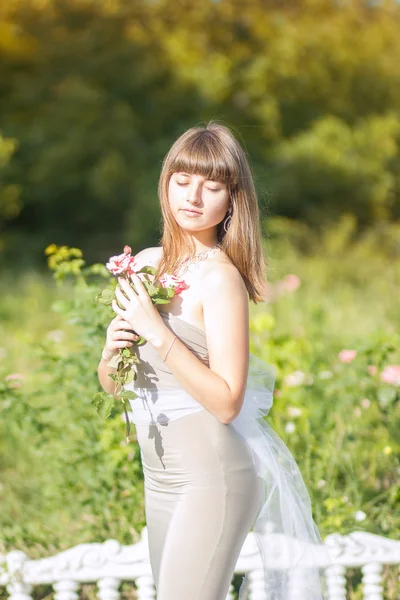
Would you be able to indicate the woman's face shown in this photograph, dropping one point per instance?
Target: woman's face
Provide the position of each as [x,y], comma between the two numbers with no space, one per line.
[197,203]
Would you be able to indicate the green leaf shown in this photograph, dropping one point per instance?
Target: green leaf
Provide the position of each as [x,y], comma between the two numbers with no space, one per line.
[127,395]
[163,292]
[108,294]
[104,403]
[152,290]
[160,301]
[105,297]
[148,270]
[125,372]
[131,376]
[126,352]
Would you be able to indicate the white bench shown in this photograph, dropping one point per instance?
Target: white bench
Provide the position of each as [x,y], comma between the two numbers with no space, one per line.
[109,563]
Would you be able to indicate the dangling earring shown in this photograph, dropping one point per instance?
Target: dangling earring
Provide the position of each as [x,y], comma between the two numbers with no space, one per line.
[227,221]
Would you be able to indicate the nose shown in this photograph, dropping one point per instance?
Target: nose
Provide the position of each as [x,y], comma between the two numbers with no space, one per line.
[194,193]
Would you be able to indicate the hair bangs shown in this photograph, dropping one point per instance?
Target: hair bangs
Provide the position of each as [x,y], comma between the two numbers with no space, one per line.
[202,154]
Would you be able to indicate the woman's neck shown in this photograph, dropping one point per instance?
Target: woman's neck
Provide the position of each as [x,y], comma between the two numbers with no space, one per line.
[201,241]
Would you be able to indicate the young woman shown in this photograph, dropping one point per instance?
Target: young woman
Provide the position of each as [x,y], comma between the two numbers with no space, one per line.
[213,468]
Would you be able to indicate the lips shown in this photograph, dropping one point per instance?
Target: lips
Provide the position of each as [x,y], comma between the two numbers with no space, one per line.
[193,212]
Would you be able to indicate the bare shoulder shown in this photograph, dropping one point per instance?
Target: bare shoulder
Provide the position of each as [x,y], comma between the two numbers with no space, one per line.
[149,256]
[221,274]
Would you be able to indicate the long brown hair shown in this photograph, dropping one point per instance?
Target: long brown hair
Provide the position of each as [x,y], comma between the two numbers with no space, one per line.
[213,152]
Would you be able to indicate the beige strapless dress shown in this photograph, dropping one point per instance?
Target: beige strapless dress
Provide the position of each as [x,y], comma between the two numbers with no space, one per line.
[207,484]
[202,492]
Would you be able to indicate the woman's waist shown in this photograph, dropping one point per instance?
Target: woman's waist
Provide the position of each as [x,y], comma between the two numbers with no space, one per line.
[162,405]
[154,405]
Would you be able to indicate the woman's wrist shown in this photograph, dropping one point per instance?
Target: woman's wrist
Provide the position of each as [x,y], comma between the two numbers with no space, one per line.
[105,357]
[163,341]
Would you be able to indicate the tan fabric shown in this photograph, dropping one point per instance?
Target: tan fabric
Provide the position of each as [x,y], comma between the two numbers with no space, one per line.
[202,496]
[152,371]
[202,493]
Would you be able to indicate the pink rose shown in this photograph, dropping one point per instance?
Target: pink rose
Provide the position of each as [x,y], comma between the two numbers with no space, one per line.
[127,250]
[372,370]
[287,285]
[15,380]
[123,263]
[291,282]
[391,374]
[171,281]
[346,356]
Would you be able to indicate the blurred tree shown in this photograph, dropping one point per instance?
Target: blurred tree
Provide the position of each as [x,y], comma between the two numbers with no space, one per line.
[333,168]
[95,93]
[94,108]
[9,193]
[279,68]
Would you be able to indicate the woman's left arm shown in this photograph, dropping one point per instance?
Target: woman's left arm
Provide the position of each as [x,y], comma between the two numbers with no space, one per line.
[219,388]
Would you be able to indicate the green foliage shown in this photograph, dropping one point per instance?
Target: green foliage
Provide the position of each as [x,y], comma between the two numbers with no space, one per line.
[104,403]
[69,477]
[9,193]
[333,167]
[93,94]
[339,420]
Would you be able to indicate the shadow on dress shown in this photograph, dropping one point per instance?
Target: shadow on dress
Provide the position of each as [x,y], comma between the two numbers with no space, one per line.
[155,433]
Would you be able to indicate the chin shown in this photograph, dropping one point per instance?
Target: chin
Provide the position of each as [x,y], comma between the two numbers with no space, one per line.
[183,224]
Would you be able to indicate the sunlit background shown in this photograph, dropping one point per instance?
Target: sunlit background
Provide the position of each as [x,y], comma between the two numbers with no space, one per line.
[92,95]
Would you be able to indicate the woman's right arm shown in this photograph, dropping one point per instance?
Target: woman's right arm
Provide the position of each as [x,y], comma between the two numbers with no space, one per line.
[116,338]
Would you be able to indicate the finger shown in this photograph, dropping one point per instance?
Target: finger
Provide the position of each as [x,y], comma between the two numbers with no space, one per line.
[117,309]
[126,287]
[122,344]
[139,285]
[122,324]
[122,299]
[126,335]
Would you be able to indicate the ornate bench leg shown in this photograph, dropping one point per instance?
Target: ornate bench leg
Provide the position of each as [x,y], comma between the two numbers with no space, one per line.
[108,588]
[301,581]
[145,588]
[372,580]
[336,580]
[17,588]
[66,589]
[257,584]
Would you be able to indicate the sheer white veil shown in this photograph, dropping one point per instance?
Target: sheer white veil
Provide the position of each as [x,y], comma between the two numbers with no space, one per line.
[290,545]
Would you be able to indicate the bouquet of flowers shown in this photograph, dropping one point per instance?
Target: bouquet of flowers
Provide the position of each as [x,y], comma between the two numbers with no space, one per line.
[161,292]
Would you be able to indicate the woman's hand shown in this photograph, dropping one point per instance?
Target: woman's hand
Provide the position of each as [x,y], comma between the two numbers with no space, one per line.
[138,310]
[117,337]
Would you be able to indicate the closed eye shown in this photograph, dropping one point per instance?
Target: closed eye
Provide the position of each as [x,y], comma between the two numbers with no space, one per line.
[184,184]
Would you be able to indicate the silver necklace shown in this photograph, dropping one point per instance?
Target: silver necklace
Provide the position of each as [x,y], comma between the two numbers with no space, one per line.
[187,262]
